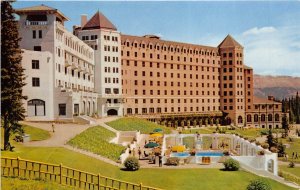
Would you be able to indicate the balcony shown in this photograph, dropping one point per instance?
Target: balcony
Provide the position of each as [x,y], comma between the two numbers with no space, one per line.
[110,96]
[67,63]
[112,105]
[74,65]
[36,23]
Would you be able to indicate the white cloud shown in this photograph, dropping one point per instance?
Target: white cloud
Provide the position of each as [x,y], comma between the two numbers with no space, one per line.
[277,53]
[257,31]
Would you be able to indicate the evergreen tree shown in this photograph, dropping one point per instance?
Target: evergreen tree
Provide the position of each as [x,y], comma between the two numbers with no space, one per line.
[12,77]
[271,140]
[285,125]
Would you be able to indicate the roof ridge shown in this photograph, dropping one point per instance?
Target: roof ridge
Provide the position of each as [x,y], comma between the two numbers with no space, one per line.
[229,41]
[98,21]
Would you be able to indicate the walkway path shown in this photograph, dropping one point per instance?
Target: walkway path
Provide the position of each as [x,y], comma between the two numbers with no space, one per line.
[106,120]
[63,133]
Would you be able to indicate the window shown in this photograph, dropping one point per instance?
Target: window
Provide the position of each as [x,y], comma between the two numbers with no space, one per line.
[62,109]
[35,64]
[37,48]
[35,81]
[33,34]
[40,34]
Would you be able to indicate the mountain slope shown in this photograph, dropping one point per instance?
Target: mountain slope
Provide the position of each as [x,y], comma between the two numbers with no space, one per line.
[277,86]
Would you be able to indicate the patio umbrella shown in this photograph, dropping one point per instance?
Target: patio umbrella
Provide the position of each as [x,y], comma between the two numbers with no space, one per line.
[151,145]
[157,130]
[155,135]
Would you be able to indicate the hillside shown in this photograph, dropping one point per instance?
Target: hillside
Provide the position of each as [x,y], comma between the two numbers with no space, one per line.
[278,86]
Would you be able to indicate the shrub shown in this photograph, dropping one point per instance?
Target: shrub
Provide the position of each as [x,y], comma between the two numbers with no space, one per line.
[291,164]
[173,161]
[132,164]
[273,149]
[231,165]
[261,152]
[265,145]
[226,153]
[264,132]
[258,184]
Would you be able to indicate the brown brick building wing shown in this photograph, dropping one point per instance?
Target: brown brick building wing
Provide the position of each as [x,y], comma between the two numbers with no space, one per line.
[182,83]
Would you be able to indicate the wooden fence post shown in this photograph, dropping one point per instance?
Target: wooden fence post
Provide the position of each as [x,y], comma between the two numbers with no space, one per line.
[141,186]
[60,173]
[18,162]
[99,182]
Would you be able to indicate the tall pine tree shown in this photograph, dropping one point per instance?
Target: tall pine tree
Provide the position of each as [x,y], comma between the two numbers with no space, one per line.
[12,74]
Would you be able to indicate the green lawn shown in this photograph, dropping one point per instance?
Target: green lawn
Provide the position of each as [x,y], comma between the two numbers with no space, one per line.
[96,140]
[295,170]
[36,134]
[203,130]
[208,179]
[294,147]
[23,184]
[133,124]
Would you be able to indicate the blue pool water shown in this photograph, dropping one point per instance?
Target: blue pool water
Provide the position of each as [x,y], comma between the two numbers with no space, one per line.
[209,154]
[186,154]
[180,154]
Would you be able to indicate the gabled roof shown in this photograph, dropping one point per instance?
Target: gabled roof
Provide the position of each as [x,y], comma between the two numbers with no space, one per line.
[41,8]
[99,21]
[229,41]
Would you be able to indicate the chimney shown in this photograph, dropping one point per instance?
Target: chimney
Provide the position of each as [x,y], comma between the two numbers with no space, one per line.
[270,97]
[83,20]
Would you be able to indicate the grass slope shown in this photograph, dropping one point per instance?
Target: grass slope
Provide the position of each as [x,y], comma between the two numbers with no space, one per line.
[8,183]
[96,140]
[295,170]
[36,134]
[208,179]
[133,124]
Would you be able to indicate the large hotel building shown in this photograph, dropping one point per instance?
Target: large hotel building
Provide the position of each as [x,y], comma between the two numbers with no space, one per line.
[98,71]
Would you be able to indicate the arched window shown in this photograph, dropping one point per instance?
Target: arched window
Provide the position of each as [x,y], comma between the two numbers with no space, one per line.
[249,118]
[36,107]
[270,117]
[263,117]
[255,118]
[276,117]
[240,119]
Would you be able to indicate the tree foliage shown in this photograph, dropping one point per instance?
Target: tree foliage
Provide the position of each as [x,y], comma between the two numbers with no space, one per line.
[292,106]
[12,76]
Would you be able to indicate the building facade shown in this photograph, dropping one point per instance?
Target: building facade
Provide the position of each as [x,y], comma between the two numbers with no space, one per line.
[99,33]
[99,71]
[59,67]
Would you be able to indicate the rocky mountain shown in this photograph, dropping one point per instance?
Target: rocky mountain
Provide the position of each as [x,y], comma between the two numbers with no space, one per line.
[277,86]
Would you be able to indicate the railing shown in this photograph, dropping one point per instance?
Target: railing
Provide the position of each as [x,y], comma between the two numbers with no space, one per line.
[17,167]
[36,23]
[113,104]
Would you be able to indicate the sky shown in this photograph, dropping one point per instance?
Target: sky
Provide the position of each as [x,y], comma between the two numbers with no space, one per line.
[269,31]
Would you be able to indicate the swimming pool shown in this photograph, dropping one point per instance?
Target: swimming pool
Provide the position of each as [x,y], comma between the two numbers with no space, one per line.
[209,154]
[180,154]
[200,154]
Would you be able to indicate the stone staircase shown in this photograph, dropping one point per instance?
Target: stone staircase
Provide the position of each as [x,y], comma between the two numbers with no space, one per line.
[84,119]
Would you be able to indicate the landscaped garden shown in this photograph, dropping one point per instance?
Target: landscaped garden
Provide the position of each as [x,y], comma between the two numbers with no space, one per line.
[96,140]
[294,144]
[209,179]
[250,133]
[136,124]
